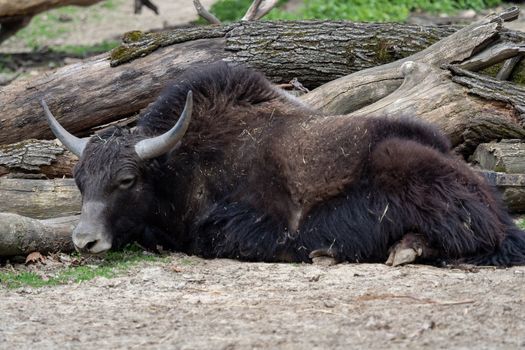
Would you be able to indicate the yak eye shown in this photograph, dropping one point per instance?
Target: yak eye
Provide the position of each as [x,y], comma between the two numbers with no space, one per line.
[126,181]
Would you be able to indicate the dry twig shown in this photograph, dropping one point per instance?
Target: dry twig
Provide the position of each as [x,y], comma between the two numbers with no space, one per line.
[264,8]
[201,10]
[251,13]
[257,10]
[507,68]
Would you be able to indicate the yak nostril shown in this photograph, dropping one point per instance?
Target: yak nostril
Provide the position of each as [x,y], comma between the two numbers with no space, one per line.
[90,242]
[90,245]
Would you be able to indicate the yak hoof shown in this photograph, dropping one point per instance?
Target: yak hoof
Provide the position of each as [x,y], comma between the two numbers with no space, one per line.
[401,255]
[411,247]
[323,257]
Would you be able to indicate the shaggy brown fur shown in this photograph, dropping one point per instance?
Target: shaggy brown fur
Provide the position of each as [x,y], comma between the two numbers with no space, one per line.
[260,176]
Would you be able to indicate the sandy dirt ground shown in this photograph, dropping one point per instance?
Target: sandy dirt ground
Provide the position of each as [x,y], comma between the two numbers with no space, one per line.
[191,303]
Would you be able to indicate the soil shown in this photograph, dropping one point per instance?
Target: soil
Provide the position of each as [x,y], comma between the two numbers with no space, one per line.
[192,303]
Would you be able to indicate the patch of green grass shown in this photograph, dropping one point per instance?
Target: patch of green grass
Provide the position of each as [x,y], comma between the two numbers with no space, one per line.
[86,50]
[51,24]
[45,26]
[113,264]
[521,223]
[233,10]
[110,4]
[355,10]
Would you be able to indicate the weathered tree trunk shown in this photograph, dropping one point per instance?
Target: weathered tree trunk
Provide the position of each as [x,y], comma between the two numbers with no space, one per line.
[439,96]
[21,235]
[36,159]
[92,93]
[469,107]
[39,198]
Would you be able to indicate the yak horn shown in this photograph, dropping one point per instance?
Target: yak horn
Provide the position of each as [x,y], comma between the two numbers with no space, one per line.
[74,144]
[159,145]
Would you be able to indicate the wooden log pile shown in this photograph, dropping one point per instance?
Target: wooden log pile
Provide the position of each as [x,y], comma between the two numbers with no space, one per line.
[439,74]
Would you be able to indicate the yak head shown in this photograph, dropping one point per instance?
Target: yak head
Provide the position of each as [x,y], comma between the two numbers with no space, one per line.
[115,180]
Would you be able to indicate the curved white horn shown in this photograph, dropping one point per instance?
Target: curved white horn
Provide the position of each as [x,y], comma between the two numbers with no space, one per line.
[74,144]
[159,145]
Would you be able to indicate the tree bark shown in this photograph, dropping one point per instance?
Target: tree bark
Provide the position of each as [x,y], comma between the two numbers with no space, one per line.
[39,198]
[469,107]
[21,235]
[87,94]
[90,93]
[507,156]
[36,159]
[431,94]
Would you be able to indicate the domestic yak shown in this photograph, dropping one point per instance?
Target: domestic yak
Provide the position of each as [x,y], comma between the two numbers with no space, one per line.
[257,175]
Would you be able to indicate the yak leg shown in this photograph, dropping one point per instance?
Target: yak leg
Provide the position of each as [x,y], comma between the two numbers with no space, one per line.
[411,247]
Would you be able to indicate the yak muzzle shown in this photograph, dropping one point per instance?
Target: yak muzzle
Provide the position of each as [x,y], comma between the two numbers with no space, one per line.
[90,243]
[91,236]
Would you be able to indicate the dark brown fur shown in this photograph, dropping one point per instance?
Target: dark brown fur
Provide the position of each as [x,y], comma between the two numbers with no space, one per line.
[259,176]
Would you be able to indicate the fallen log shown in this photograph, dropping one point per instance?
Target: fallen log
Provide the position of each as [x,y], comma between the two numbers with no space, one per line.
[355,91]
[437,96]
[21,235]
[102,89]
[507,156]
[36,158]
[39,198]
[86,94]
[91,93]
[469,107]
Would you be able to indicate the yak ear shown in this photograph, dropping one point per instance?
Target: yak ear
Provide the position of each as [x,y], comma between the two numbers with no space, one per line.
[170,140]
[74,144]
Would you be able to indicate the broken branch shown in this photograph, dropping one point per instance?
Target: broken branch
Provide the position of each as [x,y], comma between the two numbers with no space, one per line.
[208,16]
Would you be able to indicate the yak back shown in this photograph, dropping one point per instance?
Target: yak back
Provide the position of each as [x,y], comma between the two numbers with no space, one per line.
[226,99]
[257,145]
